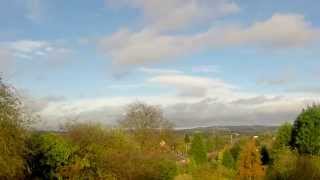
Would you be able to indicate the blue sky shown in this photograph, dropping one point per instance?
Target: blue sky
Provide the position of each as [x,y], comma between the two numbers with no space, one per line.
[230,61]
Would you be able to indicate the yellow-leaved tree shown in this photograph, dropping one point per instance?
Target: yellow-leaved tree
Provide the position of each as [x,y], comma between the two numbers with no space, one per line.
[250,165]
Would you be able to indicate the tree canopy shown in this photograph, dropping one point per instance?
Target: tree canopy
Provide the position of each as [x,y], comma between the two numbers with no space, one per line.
[250,165]
[306,131]
[198,150]
[283,136]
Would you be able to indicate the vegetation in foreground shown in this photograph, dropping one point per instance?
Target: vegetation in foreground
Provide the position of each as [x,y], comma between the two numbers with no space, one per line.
[144,146]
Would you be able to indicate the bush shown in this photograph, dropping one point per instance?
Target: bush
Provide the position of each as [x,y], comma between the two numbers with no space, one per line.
[183,177]
[112,153]
[306,168]
[218,172]
[284,162]
[168,170]
[49,152]
[289,166]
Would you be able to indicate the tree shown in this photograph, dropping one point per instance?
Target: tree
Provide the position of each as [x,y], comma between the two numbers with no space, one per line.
[235,151]
[142,116]
[283,136]
[198,149]
[13,134]
[250,166]
[306,133]
[145,121]
[227,159]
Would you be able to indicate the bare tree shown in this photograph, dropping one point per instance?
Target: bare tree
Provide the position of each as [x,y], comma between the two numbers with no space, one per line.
[145,121]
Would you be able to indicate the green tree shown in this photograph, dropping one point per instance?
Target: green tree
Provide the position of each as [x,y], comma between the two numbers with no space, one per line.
[235,151]
[306,133]
[167,169]
[198,149]
[227,159]
[283,136]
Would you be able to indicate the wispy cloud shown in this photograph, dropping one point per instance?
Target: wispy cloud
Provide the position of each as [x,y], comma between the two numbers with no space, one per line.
[29,47]
[287,76]
[159,71]
[194,86]
[206,69]
[146,47]
[169,15]
[45,51]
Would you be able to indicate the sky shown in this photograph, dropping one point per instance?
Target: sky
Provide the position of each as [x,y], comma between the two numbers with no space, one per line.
[204,62]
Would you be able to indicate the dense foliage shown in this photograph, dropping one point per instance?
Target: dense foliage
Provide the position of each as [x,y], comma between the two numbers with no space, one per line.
[49,152]
[198,150]
[283,137]
[13,134]
[306,133]
[145,147]
[227,159]
[250,165]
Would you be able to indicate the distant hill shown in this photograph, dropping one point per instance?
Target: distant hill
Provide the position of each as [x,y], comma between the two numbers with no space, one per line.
[250,130]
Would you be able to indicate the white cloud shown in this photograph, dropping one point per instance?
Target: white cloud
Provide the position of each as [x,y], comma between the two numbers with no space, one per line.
[28,46]
[281,30]
[145,47]
[208,112]
[37,105]
[175,14]
[193,86]
[183,111]
[257,100]
[201,101]
[159,71]
[51,52]
[206,69]
[22,56]
[149,47]
[44,54]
